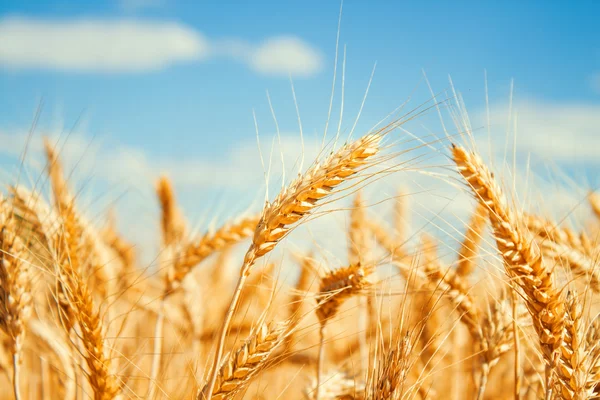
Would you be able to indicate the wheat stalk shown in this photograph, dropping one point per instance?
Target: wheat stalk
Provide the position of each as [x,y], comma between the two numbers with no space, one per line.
[173,229]
[15,290]
[523,261]
[292,204]
[357,247]
[75,247]
[303,283]
[56,343]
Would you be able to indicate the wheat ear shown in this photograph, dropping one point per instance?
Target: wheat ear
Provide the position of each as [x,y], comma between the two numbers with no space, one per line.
[339,285]
[173,229]
[37,221]
[15,290]
[77,305]
[497,337]
[87,317]
[81,241]
[291,205]
[246,362]
[335,288]
[389,382]
[124,250]
[172,223]
[211,242]
[592,348]
[522,259]
[594,199]
[468,249]
[454,287]
[571,371]
[566,246]
[75,298]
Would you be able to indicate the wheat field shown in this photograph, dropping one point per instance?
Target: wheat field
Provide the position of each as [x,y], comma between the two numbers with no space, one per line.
[511,313]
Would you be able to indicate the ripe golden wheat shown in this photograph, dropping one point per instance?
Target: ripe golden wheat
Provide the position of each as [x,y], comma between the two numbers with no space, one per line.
[81,318]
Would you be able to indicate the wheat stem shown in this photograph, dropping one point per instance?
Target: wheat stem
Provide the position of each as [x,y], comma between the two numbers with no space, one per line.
[320,359]
[517,347]
[224,329]
[483,379]
[16,374]
[157,350]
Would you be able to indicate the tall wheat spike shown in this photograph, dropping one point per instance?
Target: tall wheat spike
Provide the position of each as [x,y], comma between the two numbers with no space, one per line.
[571,371]
[74,249]
[15,290]
[291,205]
[523,261]
[468,250]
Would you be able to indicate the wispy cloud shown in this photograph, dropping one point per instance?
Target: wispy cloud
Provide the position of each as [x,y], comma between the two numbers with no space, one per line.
[563,133]
[126,45]
[286,55]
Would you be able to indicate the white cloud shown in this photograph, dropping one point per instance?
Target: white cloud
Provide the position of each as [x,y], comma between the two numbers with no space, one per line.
[552,132]
[127,45]
[283,55]
[97,45]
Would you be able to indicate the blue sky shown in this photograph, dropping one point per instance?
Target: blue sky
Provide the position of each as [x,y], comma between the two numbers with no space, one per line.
[551,50]
[168,83]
